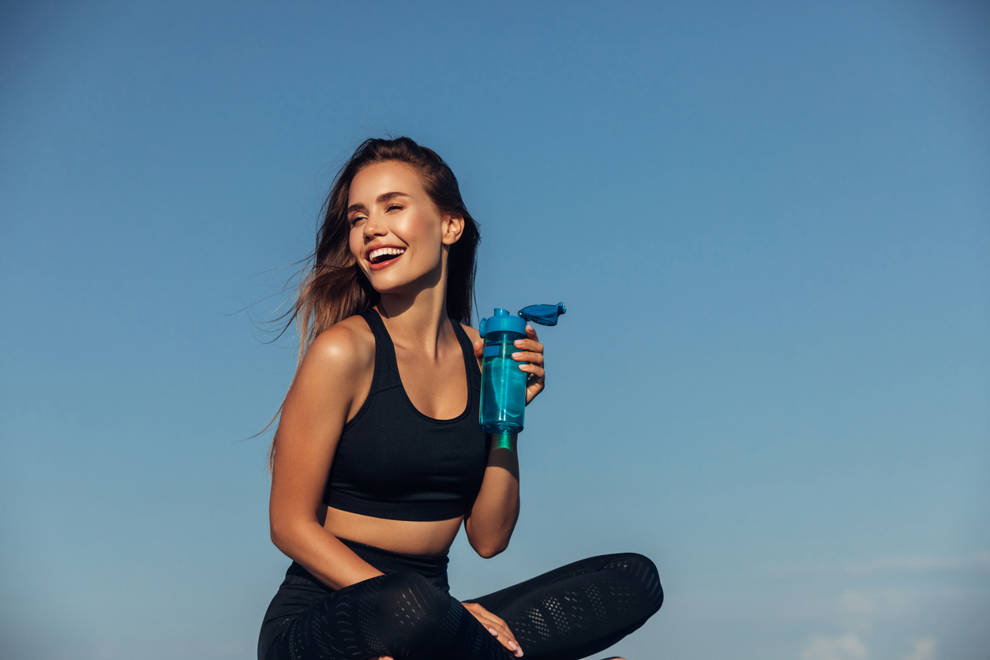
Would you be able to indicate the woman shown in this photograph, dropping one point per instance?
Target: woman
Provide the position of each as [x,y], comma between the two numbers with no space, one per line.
[378,457]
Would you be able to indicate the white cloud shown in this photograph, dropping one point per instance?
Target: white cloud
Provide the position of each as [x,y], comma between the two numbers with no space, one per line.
[924,649]
[842,647]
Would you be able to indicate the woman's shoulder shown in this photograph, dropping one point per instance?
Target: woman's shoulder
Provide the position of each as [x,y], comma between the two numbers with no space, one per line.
[348,343]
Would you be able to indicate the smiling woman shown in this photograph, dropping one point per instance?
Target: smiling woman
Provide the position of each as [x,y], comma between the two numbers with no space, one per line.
[379,458]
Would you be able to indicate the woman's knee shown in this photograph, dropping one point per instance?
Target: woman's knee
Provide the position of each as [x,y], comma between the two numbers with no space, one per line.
[403,586]
[412,609]
[645,573]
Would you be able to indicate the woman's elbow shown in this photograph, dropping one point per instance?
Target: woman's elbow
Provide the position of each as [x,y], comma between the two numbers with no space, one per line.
[282,530]
[277,535]
[489,551]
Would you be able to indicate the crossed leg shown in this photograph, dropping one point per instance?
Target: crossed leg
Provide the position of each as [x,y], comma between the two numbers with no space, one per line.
[564,614]
[580,608]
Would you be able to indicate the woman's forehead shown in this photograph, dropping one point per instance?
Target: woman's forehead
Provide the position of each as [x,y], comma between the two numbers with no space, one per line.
[387,176]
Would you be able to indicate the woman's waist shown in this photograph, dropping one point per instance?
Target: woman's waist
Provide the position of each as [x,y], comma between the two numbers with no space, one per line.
[431,566]
[406,537]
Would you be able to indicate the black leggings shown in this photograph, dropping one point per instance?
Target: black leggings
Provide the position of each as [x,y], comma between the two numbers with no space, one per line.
[408,613]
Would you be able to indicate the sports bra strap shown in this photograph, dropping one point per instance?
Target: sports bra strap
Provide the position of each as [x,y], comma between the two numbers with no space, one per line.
[386,373]
[474,374]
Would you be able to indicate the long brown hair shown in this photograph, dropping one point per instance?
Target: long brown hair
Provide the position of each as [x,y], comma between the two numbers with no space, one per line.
[334,288]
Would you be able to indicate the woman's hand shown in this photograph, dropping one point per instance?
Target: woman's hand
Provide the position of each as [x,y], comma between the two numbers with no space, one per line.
[492,623]
[495,626]
[530,352]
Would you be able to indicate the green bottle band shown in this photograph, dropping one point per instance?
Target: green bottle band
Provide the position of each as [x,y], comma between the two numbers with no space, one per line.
[505,440]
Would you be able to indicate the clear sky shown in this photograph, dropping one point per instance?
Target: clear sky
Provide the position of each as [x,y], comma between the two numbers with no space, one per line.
[770,223]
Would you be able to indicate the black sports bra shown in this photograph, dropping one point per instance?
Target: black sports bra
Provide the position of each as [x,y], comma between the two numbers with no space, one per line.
[392,461]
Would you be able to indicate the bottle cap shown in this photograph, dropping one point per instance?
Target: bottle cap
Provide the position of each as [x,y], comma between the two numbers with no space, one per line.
[503,321]
[543,314]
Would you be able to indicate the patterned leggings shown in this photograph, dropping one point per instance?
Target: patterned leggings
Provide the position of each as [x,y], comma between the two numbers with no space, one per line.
[565,614]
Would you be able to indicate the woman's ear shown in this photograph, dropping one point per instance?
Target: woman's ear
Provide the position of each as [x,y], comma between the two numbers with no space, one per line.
[452,228]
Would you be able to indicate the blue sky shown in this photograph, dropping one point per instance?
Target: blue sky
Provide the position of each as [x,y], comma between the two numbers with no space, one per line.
[770,223]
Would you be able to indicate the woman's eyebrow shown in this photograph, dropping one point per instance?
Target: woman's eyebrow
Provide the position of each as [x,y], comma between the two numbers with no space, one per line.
[384,197]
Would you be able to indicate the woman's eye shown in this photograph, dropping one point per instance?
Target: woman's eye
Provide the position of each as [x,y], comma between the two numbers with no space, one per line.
[356,219]
[392,206]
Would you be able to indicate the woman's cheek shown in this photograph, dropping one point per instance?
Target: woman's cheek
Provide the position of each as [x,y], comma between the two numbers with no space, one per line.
[355,243]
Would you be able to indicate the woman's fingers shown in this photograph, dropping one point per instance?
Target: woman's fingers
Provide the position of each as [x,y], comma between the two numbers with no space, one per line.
[523,356]
[530,343]
[501,631]
[530,355]
[496,626]
[534,388]
[537,371]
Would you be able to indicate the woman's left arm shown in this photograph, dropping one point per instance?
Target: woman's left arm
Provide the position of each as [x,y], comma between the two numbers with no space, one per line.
[493,516]
[495,511]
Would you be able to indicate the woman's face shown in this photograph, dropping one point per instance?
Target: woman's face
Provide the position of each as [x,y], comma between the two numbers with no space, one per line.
[388,208]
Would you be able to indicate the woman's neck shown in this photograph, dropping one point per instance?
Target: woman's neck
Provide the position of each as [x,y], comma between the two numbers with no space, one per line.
[419,323]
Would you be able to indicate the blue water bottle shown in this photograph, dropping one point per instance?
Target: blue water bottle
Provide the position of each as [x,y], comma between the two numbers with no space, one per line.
[503,383]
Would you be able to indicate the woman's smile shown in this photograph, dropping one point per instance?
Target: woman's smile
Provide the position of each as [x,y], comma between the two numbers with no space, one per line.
[385,257]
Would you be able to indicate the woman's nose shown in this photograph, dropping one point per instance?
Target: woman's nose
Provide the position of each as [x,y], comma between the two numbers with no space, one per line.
[375,225]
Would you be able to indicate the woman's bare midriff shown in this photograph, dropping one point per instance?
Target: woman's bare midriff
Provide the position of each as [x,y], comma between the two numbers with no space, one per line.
[413,537]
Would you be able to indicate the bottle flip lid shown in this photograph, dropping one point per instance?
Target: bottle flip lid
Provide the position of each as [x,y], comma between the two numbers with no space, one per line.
[503,321]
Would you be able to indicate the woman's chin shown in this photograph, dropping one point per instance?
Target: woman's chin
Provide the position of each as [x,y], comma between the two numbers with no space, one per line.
[403,283]
[386,286]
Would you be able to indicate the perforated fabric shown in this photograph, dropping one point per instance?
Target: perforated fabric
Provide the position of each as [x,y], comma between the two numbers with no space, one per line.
[568,613]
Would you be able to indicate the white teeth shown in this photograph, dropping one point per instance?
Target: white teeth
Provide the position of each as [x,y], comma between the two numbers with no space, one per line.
[382,251]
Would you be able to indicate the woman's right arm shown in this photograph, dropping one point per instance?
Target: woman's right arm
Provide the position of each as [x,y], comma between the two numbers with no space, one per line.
[313,415]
